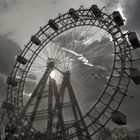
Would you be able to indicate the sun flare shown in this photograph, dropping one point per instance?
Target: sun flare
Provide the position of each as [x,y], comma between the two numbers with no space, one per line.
[52,74]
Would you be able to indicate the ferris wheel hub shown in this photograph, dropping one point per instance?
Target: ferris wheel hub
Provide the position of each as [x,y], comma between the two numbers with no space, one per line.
[50,63]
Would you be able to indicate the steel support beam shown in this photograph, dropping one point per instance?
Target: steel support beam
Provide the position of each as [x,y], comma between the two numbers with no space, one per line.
[78,117]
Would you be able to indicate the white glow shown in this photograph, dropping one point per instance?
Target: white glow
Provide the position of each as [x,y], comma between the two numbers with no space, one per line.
[27,94]
[52,74]
[85,61]
[88,41]
[120,9]
[80,57]
[107,77]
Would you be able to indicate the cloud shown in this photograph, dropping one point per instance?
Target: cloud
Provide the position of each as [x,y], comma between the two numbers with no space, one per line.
[22,18]
[132,10]
[112,4]
[8,51]
[88,80]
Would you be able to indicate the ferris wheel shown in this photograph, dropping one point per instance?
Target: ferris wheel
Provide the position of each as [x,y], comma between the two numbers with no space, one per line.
[62,87]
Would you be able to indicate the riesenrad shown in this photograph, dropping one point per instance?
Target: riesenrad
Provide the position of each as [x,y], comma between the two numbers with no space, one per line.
[71,77]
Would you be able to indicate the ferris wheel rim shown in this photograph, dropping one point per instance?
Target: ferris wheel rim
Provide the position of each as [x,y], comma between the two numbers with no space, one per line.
[59,19]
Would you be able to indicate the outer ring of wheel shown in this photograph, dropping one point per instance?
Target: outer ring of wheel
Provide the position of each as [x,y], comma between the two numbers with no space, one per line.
[122,64]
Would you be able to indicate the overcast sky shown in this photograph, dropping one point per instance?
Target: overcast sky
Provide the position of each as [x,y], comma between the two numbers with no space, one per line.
[19,19]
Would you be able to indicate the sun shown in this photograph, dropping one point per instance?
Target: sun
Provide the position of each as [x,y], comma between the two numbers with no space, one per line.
[52,74]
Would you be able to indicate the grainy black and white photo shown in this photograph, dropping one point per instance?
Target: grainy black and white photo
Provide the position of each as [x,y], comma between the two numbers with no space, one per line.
[69,70]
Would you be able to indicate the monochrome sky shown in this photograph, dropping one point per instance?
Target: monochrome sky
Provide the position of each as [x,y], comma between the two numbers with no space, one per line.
[19,19]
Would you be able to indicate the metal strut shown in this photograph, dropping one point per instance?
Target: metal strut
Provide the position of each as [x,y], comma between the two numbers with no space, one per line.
[60,114]
[37,93]
[50,111]
[80,125]
[38,99]
[56,109]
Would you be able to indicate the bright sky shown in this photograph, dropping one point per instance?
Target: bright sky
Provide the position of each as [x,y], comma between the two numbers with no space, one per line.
[22,18]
